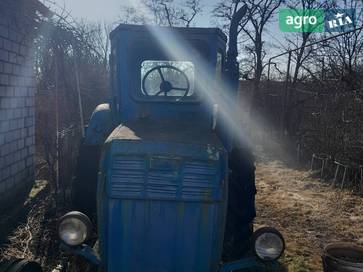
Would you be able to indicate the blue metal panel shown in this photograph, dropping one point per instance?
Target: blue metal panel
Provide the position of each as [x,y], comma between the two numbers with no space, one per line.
[157,236]
[164,212]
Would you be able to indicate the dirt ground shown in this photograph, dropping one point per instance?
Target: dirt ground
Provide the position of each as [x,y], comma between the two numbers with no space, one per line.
[307,211]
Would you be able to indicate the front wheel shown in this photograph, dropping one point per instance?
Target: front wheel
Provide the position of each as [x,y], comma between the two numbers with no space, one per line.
[241,205]
[84,185]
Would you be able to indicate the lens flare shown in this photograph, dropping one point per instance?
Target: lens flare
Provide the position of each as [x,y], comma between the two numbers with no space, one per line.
[233,111]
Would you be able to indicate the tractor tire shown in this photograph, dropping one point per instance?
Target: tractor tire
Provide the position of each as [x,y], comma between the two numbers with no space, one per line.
[84,187]
[20,266]
[241,205]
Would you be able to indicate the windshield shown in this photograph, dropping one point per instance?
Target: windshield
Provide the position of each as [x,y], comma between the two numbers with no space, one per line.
[167,79]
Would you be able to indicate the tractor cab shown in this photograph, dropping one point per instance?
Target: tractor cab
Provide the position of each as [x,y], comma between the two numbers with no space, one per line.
[156,173]
[151,82]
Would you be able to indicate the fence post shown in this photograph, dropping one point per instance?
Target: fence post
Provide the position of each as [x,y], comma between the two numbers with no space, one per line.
[285,106]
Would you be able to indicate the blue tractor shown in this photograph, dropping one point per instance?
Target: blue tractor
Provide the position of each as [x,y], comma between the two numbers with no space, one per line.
[163,182]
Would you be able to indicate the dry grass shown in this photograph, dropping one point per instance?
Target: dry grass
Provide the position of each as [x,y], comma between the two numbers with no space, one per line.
[308,212]
[34,239]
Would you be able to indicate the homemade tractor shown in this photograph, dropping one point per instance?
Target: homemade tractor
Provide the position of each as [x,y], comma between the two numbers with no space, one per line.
[163,181]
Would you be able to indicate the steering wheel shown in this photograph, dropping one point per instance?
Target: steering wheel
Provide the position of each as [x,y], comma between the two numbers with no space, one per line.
[165,86]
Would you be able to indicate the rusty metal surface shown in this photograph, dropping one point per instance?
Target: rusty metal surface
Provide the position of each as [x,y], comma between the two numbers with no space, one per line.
[167,131]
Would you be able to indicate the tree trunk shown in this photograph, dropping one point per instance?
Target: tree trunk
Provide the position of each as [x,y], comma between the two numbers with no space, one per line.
[258,73]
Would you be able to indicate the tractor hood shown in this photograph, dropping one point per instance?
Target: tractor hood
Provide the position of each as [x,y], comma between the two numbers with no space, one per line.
[178,132]
[162,198]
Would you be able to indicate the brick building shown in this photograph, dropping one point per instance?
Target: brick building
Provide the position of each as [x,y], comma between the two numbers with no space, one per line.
[18,19]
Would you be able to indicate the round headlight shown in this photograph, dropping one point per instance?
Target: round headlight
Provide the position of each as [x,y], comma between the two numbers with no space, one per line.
[74,228]
[269,244]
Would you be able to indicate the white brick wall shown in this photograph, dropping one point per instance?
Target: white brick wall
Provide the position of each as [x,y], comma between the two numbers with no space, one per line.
[16,111]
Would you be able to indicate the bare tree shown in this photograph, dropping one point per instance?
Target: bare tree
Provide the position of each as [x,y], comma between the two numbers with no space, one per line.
[191,10]
[300,40]
[131,15]
[344,54]
[70,62]
[253,26]
[162,12]
[96,35]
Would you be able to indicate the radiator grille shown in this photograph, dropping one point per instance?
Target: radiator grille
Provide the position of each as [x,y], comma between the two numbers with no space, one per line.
[199,180]
[128,177]
[160,178]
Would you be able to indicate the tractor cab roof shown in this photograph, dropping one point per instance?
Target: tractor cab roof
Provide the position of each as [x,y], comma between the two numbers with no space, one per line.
[181,30]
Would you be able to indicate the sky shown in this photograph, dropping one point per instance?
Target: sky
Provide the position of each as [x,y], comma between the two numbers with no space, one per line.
[109,10]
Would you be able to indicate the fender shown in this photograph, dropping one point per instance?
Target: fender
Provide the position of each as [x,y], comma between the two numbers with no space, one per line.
[86,172]
[100,125]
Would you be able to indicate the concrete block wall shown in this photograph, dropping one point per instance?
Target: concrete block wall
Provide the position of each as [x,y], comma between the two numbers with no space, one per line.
[17,88]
